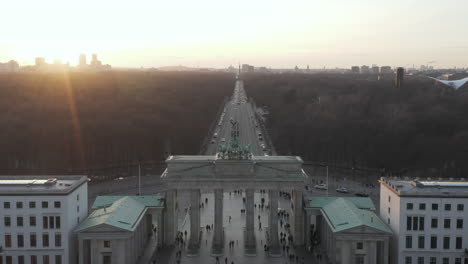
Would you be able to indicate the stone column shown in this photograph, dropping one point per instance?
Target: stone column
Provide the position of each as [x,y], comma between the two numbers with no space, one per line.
[273,228]
[160,228]
[385,251]
[372,251]
[307,229]
[345,254]
[249,233]
[171,220]
[194,222]
[298,213]
[218,237]
[94,252]
[81,254]
[118,251]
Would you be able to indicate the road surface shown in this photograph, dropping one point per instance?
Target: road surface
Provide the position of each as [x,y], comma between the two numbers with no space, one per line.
[238,109]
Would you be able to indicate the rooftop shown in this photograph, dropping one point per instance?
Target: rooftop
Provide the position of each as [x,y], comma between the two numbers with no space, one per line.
[343,213]
[427,187]
[40,184]
[124,212]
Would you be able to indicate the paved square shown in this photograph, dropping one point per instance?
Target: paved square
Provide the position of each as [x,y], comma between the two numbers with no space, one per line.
[234,229]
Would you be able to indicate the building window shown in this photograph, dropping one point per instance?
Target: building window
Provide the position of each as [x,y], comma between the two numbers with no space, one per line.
[434,222]
[457,260]
[77,208]
[6,205]
[45,204]
[388,220]
[389,198]
[57,204]
[7,240]
[408,260]
[408,222]
[57,222]
[58,239]
[389,210]
[447,223]
[7,221]
[45,222]
[32,220]
[19,205]
[51,222]
[33,259]
[9,259]
[20,259]
[421,223]
[20,240]
[460,207]
[421,242]
[45,240]
[107,244]
[106,259]
[77,197]
[459,243]
[446,243]
[459,223]
[432,260]
[435,207]
[58,259]
[409,206]
[32,241]
[448,207]
[433,242]
[19,221]
[445,261]
[32,204]
[422,206]
[409,242]
[420,260]
[45,259]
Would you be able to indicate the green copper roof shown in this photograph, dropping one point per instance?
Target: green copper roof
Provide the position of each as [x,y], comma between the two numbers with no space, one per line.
[342,213]
[359,202]
[124,212]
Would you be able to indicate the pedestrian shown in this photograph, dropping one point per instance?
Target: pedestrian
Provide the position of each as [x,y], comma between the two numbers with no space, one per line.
[225,260]
[185,233]
[206,242]
[229,219]
[237,242]
[217,260]
[211,226]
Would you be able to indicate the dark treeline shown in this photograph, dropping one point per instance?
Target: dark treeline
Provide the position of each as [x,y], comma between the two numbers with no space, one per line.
[51,123]
[352,121]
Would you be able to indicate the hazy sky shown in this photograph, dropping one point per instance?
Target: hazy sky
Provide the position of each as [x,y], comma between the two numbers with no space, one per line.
[205,33]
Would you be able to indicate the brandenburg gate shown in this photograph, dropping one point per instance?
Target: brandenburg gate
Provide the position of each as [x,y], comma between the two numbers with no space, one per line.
[234,167]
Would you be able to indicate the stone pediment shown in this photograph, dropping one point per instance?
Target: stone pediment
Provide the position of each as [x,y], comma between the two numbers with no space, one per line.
[364,229]
[103,228]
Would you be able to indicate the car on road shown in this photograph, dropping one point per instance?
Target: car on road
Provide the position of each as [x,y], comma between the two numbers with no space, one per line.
[361,194]
[215,135]
[223,140]
[321,186]
[212,141]
[342,190]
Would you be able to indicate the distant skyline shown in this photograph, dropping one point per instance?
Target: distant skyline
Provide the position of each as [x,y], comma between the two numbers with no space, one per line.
[278,34]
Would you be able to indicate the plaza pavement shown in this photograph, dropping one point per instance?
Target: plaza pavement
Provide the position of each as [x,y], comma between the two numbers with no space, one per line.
[233,231]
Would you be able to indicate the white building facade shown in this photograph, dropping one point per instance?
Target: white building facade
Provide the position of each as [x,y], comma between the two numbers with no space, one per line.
[428,219]
[37,218]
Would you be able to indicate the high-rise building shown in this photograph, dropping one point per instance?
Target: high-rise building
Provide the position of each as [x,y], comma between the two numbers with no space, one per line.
[38,215]
[355,69]
[400,73]
[11,66]
[82,60]
[428,219]
[365,69]
[385,69]
[40,61]
[375,69]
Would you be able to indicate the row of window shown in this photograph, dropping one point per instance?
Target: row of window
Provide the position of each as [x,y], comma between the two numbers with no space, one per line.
[32,240]
[433,242]
[435,207]
[416,223]
[46,259]
[432,260]
[48,222]
[32,204]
